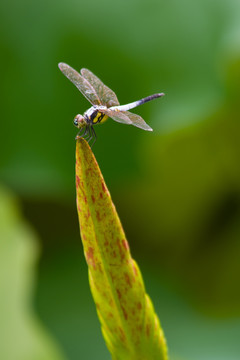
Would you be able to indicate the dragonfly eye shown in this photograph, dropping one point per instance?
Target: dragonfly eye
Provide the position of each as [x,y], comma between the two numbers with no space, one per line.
[75,122]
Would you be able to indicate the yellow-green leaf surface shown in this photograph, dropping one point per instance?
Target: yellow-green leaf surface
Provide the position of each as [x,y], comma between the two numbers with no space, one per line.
[129,324]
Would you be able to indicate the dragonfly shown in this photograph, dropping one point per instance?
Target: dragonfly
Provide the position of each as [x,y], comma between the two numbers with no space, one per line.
[104,103]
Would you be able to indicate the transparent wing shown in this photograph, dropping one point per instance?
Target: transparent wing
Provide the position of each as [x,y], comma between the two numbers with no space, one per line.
[106,95]
[126,117]
[119,116]
[81,83]
[138,121]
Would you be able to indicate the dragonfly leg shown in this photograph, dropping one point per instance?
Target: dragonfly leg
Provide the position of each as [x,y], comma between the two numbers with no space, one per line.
[79,134]
[94,137]
[89,135]
[86,132]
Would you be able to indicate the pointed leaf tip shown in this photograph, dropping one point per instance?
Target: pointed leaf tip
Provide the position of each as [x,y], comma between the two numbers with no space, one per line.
[129,324]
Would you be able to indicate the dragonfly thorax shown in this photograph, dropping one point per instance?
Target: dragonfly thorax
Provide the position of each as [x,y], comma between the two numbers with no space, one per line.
[94,115]
[90,113]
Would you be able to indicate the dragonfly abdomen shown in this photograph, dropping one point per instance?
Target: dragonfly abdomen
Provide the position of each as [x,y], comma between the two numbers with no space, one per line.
[136,103]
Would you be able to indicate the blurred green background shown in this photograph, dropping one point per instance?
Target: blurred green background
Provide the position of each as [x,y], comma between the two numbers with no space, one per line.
[177,190]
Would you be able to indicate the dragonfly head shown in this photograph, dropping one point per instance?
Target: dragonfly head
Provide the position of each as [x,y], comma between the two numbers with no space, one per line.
[79,121]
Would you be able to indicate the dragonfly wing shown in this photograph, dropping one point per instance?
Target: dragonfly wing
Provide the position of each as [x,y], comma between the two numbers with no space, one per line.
[81,83]
[119,116]
[126,117]
[138,121]
[107,97]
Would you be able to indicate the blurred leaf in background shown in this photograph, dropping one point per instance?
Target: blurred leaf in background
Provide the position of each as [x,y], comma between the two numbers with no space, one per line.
[177,189]
[22,336]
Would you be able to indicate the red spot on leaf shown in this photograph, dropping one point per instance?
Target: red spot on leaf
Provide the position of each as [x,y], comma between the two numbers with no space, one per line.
[127,278]
[77,180]
[122,252]
[122,335]
[90,257]
[124,312]
[101,195]
[87,215]
[93,199]
[119,294]
[98,216]
[103,187]
[125,244]
[99,268]
[139,306]
[134,268]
